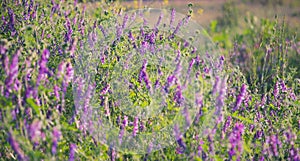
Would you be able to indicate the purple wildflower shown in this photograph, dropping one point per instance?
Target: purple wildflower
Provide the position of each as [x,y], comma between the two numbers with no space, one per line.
[69,72]
[187,19]
[125,121]
[240,97]
[95,25]
[235,140]
[6,64]
[200,148]
[55,8]
[144,47]
[180,142]
[290,137]
[118,121]
[152,38]
[119,31]
[210,139]
[149,150]
[43,34]
[178,69]
[75,3]
[142,126]
[262,158]
[130,36]
[158,21]
[30,7]
[216,86]
[35,131]
[177,29]
[157,83]
[12,71]
[43,66]
[294,153]
[69,32]
[87,108]
[263,100]
[81,27]
[74,21]
[73,47]
[291,94]
[48,36]
[90,40]
[186,44]
[125,20]
[17,86]
[206,70]
[178,56]
[106,107]
[170,81]
[194,50]
[72,152]
[144,76]
[199,104]
[273,143]
[61,69]
[14,65]
[4,23]
[283,86]
[12,21]
[133,17]
[172,17]
[34,13]
[55,138]
[145,22]
[247,99]
[135,126]
[142,32]
[178,97]
[113,154]
[68,77]
[221,62]
[259,134]
[186,114]
[227,124]
[121,133]
[105,89]
[221,96]
[16,148]
[2,50]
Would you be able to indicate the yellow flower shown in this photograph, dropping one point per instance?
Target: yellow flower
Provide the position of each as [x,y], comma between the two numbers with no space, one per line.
[166,2]
[200,11]
[135,4]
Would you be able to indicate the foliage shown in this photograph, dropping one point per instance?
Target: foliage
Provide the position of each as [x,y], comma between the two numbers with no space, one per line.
[39,120]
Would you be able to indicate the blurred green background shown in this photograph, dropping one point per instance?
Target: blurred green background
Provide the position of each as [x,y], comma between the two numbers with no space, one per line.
[207,10]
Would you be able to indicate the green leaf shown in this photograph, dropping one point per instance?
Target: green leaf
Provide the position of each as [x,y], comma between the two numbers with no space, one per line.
[246,147]
[235,115]
[144,104]
[68,127]
[35,107]
[213,25]
[272,106]
[5,102]
[218,158]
